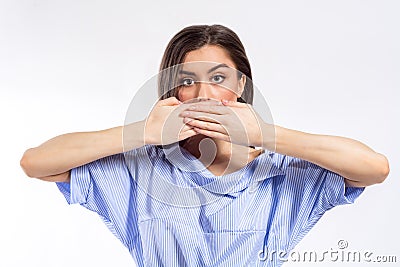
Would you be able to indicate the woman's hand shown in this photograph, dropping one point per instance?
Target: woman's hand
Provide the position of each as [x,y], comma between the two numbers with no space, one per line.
[230,121]
[163,126]
[238,123]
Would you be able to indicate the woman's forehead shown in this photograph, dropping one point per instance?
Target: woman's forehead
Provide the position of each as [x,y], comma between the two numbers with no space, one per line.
[210,53]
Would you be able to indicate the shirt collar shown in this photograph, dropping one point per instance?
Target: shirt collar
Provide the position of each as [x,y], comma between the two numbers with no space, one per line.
[261,168]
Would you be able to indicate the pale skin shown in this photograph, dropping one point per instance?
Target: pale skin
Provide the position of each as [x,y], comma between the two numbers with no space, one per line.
[218,119]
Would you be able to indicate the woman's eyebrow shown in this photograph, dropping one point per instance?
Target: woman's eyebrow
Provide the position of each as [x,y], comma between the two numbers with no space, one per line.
[187,72]
[222,65]
[217,67]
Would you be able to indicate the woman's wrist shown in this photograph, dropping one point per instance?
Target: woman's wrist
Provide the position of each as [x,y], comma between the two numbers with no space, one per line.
[132,136]
[268,137]
[292,142]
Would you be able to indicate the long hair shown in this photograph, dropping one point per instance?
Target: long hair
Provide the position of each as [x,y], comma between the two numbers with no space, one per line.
[195,37]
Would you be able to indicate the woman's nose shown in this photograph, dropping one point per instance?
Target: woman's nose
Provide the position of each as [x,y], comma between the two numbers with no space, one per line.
[205,90]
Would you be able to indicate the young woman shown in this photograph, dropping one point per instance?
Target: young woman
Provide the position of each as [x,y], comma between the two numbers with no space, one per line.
[204,181]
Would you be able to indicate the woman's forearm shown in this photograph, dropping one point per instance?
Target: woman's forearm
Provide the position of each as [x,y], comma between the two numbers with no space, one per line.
[349,158]
[64,152]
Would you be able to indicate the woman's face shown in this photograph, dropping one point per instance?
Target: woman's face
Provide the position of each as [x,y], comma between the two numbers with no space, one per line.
[209,72]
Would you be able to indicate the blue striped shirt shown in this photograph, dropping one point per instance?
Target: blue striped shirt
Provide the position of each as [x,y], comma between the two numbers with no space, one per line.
[171,211]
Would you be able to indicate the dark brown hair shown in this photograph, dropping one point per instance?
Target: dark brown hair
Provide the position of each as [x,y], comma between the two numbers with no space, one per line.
[197,36]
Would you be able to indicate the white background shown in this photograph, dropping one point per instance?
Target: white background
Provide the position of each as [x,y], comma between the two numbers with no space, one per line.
[327,67]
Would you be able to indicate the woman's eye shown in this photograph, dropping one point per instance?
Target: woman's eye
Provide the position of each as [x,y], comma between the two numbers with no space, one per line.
[187,82]
[218,78]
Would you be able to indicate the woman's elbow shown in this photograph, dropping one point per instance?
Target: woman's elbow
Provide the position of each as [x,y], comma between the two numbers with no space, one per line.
[26,164]
[383,169]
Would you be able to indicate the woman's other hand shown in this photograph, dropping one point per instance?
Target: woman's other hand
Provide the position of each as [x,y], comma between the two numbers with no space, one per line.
[164,126]
[230,121]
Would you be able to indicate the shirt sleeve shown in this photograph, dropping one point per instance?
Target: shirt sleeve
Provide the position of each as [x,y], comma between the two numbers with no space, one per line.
[311,191]
[315,187]
[106,187]
[336,192]
[331,188]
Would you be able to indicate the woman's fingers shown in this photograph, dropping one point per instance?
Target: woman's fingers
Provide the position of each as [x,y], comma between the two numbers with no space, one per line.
[227,120]
[205,125]
[212,134]
[207,107]
[233,104]
[214,107]
[170,101]
[200,115]
[186,134]
[211,129]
